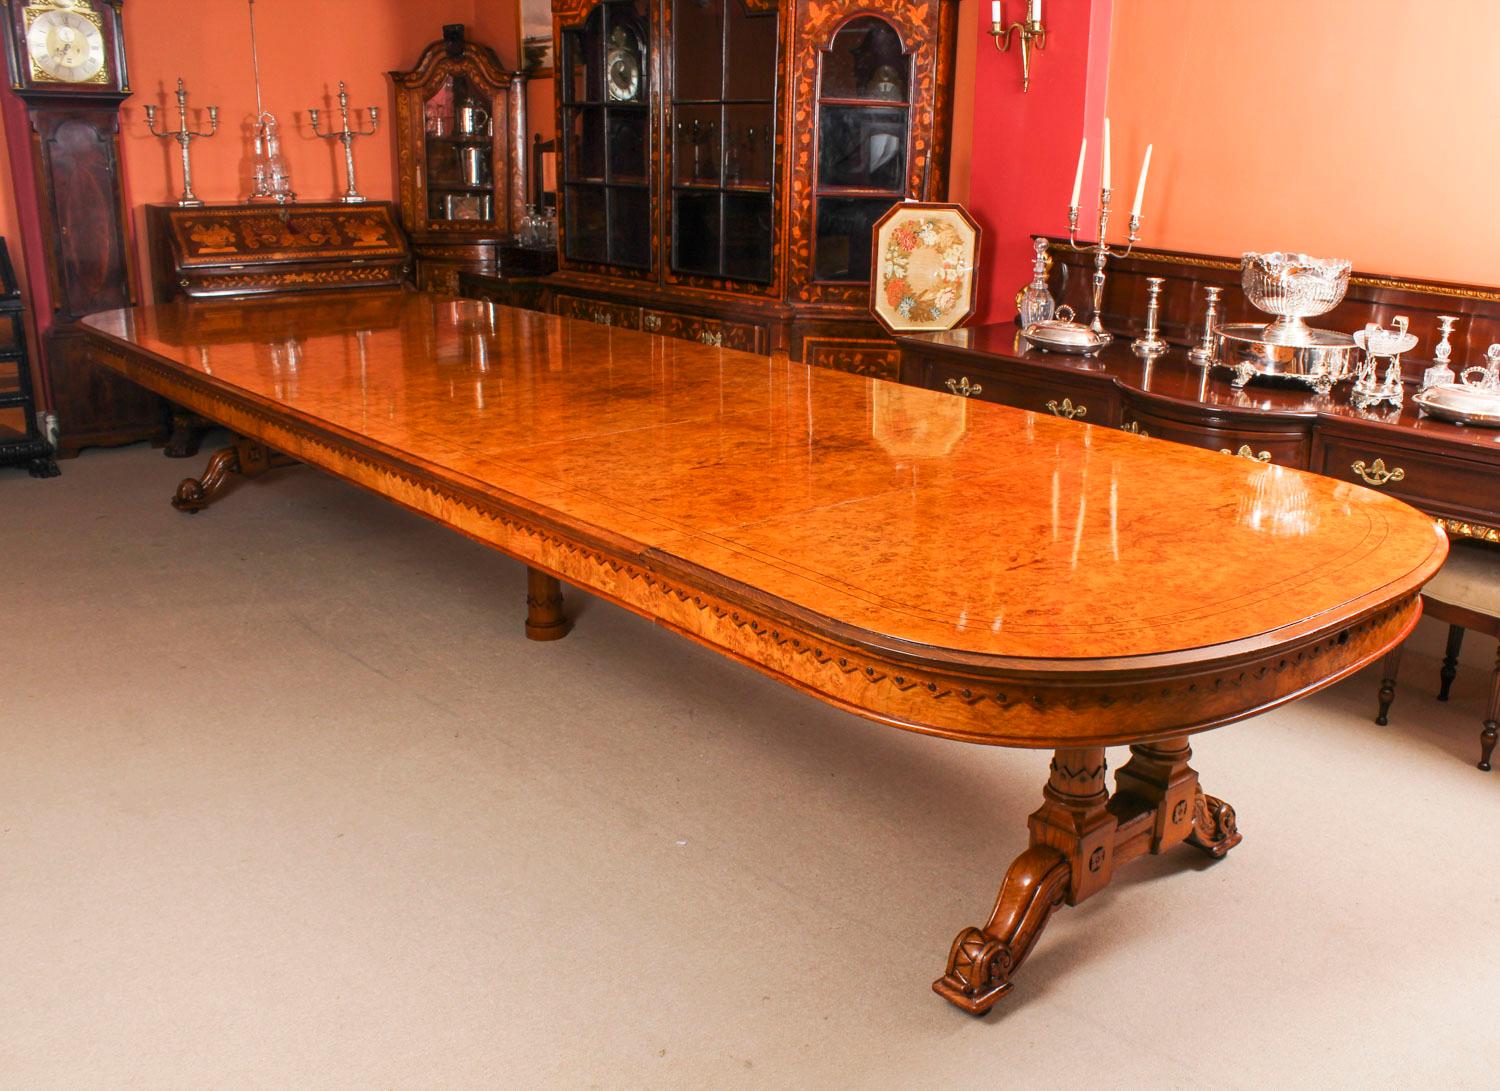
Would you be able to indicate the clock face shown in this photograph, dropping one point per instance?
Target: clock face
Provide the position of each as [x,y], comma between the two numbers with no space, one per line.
[623,64]
[65,44]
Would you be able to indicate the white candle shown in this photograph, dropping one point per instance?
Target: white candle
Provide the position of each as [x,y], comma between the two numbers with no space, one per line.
[1036,11]
[1140,187]
[1104,176]
[1078,177]
[995,12]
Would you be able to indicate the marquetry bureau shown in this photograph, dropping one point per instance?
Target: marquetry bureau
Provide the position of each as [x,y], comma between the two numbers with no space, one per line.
[1450,471]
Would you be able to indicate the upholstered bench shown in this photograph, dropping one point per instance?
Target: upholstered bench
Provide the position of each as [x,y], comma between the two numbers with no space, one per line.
[1465,594]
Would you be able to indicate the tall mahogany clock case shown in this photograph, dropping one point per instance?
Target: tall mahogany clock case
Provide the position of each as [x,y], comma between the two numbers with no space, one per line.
[67,79]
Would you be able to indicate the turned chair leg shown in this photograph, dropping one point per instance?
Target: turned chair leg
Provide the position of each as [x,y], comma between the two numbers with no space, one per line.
[1388,683]
[1450,660]
[1487,736]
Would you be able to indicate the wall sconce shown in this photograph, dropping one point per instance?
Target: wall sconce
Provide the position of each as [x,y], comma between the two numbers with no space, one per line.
[1030,28]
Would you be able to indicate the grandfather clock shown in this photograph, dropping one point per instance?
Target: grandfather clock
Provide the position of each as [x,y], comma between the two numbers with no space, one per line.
[62,122]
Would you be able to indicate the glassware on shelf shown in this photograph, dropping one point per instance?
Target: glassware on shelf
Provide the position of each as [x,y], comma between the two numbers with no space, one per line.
[1037,304]
[549,228]
[271,177]
[1441,372]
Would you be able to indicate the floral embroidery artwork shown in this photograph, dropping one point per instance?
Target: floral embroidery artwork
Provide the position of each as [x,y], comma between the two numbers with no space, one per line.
[926,266]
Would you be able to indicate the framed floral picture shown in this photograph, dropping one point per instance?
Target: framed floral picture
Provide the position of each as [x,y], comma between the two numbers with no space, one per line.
[924,264]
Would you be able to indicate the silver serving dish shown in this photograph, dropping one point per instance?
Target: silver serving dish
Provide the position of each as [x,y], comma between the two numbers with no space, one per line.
[1461,404]
[1320,359]
[1063,334]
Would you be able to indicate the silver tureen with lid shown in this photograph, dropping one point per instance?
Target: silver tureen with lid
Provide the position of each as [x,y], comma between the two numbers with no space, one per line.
[1062,333]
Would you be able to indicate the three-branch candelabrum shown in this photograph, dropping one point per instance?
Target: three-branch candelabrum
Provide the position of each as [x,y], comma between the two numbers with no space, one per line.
[346,136]
[184,137]
[1102,251]
[1032,35]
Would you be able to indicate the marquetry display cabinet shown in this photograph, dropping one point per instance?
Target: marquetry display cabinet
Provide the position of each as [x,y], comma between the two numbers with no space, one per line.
[460,157]
[723,162]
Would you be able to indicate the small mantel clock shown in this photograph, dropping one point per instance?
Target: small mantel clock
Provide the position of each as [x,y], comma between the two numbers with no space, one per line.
[62,119]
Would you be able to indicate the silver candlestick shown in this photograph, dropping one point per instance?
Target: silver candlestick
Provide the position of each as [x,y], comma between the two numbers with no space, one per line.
[1151,344]
[1102,253]
[184,137]
[346,135]
[1203,353]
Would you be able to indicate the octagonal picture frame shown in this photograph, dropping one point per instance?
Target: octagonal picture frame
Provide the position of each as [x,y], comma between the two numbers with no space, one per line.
[924,267]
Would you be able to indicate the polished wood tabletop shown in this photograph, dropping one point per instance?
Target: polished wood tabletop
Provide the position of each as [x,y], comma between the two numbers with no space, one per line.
[941,565]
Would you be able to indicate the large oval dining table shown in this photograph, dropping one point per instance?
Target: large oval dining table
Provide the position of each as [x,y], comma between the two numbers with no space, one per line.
[928,562]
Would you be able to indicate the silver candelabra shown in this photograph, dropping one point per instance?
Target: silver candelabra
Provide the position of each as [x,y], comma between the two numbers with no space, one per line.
[346,135]
[1151,343]
[184,137]
[1102,252]
[1204,353]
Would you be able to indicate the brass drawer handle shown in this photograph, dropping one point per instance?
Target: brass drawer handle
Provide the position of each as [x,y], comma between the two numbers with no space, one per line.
[1068,409]
[712,338]
[652,322]
[1135,429]
[1246,452]
[963,388]
[1376,474]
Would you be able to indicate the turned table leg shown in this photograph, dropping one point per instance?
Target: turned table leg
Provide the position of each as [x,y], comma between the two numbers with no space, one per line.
[544,607]
[246,458]
[1079,836]
[1389,667]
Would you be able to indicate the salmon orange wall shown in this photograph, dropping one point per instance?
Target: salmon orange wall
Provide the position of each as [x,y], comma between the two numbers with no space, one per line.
[1362,129]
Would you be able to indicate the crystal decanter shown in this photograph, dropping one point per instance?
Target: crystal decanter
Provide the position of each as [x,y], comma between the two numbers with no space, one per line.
[1036,302]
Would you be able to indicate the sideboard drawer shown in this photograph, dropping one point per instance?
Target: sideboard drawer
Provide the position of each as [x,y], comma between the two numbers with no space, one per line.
[879,359]
[1284,448]
[1088,402]
[700,328]
[1437,483]
[596,310]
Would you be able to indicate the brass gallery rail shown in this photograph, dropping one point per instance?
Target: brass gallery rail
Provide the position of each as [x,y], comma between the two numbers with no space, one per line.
[964,570]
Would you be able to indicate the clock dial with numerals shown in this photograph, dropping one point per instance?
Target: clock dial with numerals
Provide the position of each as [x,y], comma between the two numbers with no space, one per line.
[65,44]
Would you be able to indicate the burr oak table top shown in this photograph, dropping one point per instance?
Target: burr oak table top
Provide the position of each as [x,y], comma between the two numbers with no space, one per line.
[965,569]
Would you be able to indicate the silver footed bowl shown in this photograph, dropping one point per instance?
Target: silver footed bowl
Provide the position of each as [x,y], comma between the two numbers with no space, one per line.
[1292,287]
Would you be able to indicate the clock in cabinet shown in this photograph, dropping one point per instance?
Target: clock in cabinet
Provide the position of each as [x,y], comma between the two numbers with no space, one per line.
[461,158]
[67,71]
[723,163]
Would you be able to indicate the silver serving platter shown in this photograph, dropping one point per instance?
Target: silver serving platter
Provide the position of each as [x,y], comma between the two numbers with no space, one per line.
[1318,358]
[1461,404]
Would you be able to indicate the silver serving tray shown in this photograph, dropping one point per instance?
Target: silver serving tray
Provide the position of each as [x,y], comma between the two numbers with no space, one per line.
[1461,404]
[1318,359]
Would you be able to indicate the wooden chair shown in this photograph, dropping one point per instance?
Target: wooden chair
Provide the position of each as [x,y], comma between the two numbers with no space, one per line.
[1465,594]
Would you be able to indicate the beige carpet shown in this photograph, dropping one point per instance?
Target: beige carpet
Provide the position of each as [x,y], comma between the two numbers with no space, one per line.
[287,800]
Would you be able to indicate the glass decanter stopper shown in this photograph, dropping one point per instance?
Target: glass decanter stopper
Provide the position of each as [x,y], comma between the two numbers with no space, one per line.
[1037,304]
[1441,372]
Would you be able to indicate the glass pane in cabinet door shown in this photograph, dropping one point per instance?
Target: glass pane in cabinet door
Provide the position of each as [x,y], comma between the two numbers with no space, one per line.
[584,49]
[698,50]
[586,228]
[862,146]
[866,62]
[695,145]
[747,146]
[585,143]
[747,236]
[630,226]
[627,130]
[625,53]
[695,234]
[437,111]
[845,225]
[751,71]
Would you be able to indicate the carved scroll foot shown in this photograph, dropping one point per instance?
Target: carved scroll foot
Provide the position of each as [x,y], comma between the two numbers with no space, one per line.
[246,458]
[1079,836]
[196,493]
[1215,830]
[982,959]
[188,430]
[544,607]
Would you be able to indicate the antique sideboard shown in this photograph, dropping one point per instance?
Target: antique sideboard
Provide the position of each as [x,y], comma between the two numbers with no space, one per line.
[1448,470]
